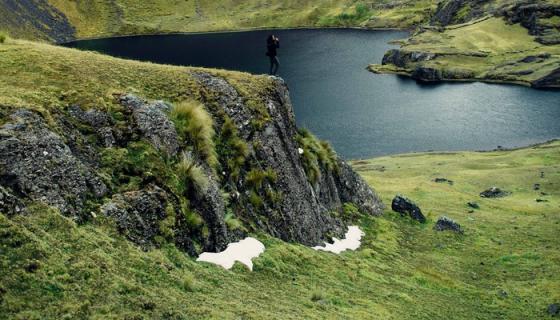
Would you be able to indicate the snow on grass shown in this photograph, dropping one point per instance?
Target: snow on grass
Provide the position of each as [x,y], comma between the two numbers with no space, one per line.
[351,241]
[243,251]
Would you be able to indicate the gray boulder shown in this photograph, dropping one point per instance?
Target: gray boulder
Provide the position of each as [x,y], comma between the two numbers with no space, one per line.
[405,206]
[139,214]
[35,163]
[153,123]
[9,203]
[553,310]
[445,223]
[99,121]
[494,192]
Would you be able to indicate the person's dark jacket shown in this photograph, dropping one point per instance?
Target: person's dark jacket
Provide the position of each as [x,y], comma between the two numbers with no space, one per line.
[271,48]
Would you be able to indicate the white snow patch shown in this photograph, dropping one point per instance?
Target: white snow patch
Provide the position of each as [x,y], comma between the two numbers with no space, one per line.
[351,241]
[243,251]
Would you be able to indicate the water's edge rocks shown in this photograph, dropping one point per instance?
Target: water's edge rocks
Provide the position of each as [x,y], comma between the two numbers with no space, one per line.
[123,164]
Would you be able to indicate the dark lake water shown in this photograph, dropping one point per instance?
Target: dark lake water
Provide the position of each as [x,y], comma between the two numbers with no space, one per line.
[360,113]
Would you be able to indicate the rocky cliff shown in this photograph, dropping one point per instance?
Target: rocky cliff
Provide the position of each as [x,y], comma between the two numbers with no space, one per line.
[147,166]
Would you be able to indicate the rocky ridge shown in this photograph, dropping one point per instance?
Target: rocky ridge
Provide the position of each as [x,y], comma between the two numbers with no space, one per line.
[122,164]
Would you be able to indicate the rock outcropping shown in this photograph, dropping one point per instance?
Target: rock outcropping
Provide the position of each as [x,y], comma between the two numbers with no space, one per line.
[89,163]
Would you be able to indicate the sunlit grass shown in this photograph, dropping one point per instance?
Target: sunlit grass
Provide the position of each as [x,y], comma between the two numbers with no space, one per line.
[509,246]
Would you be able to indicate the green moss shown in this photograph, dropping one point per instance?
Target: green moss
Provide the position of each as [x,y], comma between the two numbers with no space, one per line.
[124,169]
[232,150]
[167,225]
[255,200]
[232,222]
[350,211]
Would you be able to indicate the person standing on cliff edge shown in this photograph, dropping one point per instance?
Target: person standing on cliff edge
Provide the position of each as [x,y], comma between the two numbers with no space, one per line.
[272,44]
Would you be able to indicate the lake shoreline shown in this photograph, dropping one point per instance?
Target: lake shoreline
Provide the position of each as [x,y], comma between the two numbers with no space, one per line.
[176,33]
[443,152]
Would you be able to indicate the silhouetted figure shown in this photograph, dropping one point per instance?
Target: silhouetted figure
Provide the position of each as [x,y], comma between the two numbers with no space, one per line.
[272,44]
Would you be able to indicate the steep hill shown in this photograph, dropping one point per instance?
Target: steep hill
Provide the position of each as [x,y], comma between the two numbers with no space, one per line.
[96,18]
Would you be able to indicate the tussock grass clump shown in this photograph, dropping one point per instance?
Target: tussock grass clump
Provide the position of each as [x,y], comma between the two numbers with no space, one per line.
[317,295]
[256,177]
[3,37]
[195,125]
[316,154]
[191,175]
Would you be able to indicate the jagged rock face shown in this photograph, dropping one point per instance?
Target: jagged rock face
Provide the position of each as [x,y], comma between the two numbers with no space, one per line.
[152,121]
[61,170]
[448,11]
[303,213]
[101,122]
[42,16]
[531,16]
[35,163]
[139,214]
[552,80]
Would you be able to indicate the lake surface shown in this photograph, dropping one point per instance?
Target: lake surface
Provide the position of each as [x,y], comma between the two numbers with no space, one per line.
[362,114]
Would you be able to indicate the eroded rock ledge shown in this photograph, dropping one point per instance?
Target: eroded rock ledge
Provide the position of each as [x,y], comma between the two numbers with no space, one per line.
[123,164]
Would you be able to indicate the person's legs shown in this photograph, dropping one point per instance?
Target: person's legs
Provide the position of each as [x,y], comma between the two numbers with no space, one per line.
[271,65]
[276,65]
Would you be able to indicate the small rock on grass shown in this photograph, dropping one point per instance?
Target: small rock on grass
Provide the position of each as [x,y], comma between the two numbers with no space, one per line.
[405,206]
[494,192]
[445,223]
[554,310]
[443,180]
[473,205]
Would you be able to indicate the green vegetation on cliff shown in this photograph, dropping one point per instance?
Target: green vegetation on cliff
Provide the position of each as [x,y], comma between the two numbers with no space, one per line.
[505,266]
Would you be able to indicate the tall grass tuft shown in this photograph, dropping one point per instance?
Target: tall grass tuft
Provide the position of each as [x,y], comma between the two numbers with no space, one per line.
[191,176]
[316,154]
[195,125]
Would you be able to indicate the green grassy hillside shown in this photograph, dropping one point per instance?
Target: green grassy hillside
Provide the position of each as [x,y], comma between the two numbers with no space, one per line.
[487,50]
[45,77]
[494,41]
[117,17]
[505,266]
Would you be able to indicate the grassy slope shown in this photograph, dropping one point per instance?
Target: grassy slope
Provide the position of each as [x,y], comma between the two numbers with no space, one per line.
[46,77]
[505,45]
[52,268]
[95,18]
